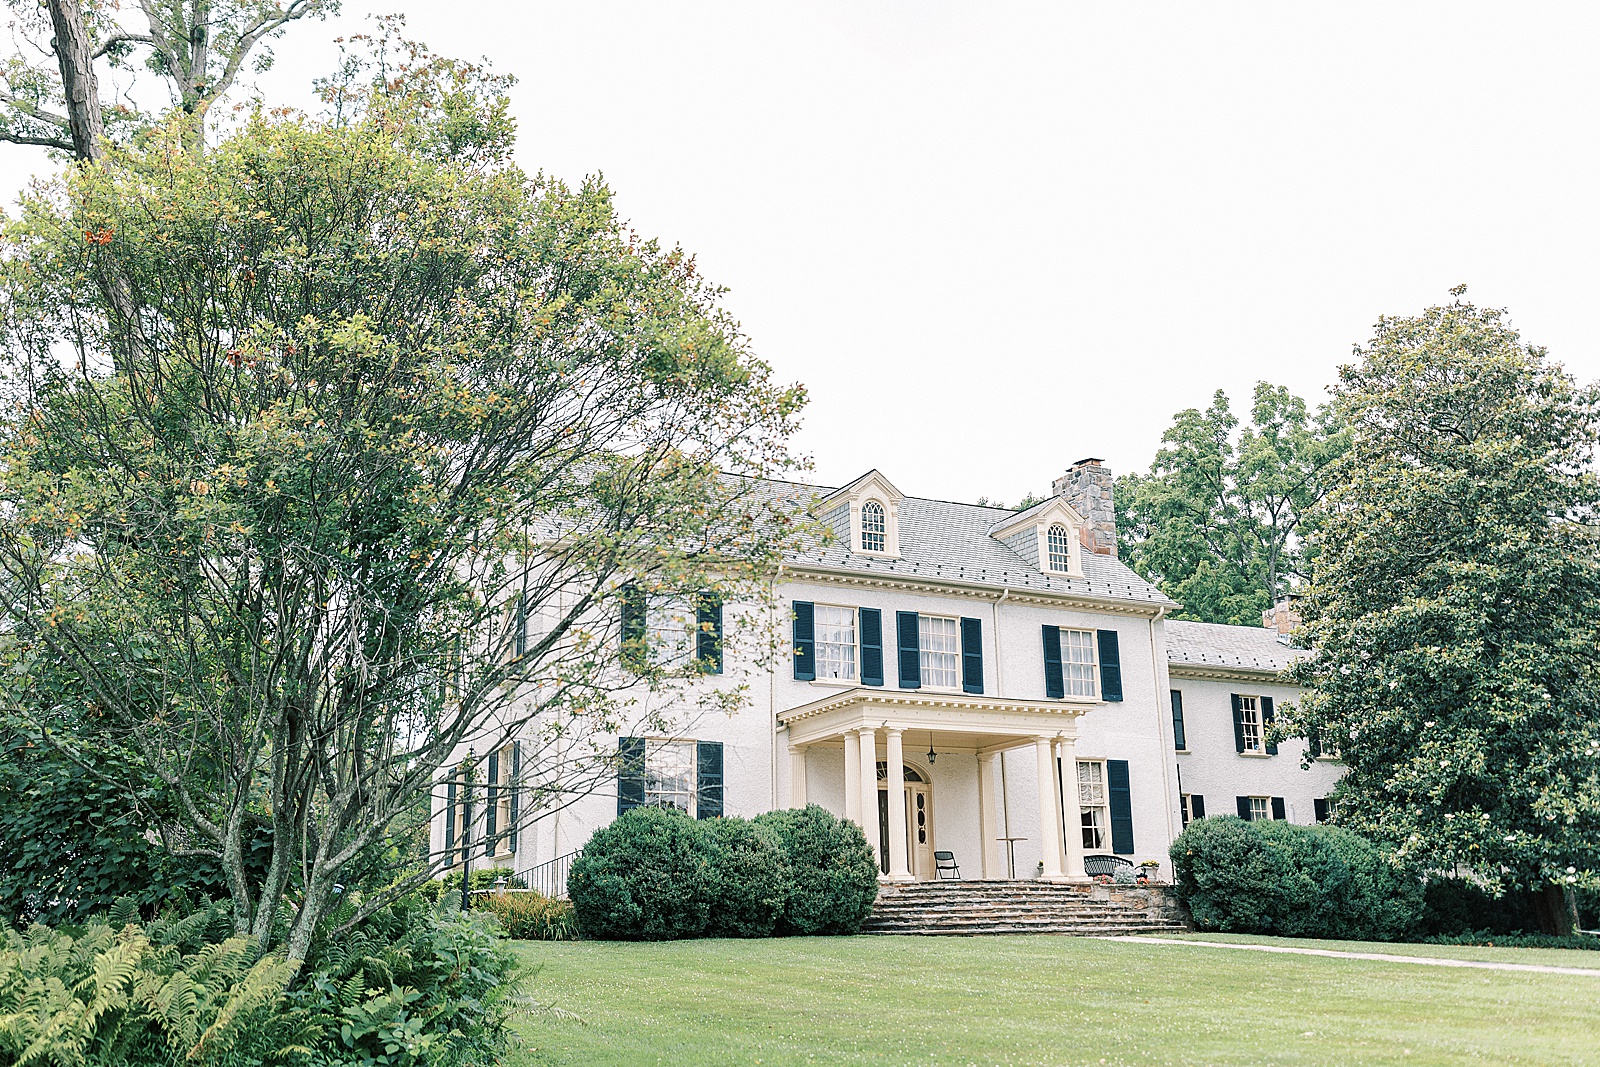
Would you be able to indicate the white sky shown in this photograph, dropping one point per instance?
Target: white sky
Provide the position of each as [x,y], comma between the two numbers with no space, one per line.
[993,238]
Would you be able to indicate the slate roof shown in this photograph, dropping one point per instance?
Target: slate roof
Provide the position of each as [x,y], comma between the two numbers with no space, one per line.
[1216,645]
[940,539]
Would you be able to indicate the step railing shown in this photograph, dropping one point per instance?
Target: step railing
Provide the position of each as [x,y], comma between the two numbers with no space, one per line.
[550,877]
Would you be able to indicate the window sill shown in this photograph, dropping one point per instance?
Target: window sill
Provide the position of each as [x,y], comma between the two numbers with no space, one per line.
[1255,755]
[835,683]
[1180,752]
[1326,759]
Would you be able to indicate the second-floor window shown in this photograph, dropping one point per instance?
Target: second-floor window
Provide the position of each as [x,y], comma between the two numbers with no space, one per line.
[1250,722]
[939,646]
[836,642]
[874,528]
[1059,546]
[1079,663]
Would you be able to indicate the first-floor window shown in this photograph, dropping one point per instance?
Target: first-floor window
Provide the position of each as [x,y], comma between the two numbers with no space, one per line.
[1080,664]
[1092,804]
[1192,810]
[669,775]
[940,647]
[1260,809]
[502,803]
[1323,809]
[1250,718]
[836,642]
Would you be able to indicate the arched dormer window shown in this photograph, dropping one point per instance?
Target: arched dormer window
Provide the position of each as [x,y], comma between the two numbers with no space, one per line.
[874,530]
[1059,545]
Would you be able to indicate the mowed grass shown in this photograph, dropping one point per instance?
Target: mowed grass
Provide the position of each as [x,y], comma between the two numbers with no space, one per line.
[1038,1000]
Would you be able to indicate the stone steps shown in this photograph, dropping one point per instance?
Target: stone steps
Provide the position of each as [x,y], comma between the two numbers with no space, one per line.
[971,908]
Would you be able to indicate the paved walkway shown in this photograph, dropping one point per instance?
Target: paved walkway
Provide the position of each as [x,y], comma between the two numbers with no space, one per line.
[1384,957]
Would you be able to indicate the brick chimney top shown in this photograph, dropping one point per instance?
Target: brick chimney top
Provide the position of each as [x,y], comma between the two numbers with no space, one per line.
[1283,616]
[1087,487]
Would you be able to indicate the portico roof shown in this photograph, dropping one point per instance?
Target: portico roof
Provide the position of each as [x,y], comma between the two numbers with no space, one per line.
[965,722]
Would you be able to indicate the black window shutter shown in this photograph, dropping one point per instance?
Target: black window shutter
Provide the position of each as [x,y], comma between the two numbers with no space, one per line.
[515,786]
[1244,808]
[466,818]
[1314,743]
[1320,806]
[910,650]
[1238,721]
[708,779]
[708,632]
[630,773]
[1110,666]
[1054,685]
[972,655]
[871,646]
[1266,724]
[450,813]
[633,627]
[1179,740]
[1279,810]
[1197,806]
[491,813]
[1120,798]
[805,640]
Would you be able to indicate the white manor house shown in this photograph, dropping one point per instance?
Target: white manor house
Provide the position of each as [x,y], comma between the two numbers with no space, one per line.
[968,680]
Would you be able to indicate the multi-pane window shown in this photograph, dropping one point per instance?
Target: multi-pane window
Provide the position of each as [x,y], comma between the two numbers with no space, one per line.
[1092,804]
[1250,723]
[1059,547]
[1260,809]
[1079,665]
[874,530]
[670,626]
[1188,806]
[836,642]
[940,646]
[502,802]
[669,775]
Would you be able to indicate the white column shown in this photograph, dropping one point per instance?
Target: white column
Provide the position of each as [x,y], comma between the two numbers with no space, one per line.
[868,763]
[988,822]
[1049,813]
[899,870]
[1071,814]
[852,777]
[797,776]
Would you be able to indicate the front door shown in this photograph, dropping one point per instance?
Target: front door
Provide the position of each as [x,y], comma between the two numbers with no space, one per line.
[918,828]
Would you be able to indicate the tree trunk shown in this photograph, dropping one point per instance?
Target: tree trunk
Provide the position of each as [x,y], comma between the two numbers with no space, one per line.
[76,59]
[1556,908]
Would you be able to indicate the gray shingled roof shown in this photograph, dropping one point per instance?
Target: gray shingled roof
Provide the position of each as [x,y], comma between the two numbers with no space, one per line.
[944,540]
[1214,644]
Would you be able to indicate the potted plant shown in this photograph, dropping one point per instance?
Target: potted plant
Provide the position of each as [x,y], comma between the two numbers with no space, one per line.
[1148,870]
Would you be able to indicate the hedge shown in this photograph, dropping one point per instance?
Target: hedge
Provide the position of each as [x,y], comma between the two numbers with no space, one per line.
[1293,881]
[833,870]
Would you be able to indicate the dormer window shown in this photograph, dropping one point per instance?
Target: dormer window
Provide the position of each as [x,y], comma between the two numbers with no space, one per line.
[874,528]
[1059,549]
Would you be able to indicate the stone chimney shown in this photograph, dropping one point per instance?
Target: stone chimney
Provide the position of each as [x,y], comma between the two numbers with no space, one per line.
[1087,487]
[1283,616]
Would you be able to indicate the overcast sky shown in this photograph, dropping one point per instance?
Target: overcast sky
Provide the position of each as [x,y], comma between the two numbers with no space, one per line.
[995,238]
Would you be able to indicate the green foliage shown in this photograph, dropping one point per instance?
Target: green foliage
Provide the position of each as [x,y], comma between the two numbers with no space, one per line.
[436,889]
[1294,881]
[1455,606]
[1516,939]
[751,881]
[1459,906]
[645,877]
[528,916]
[833,869]
[1218,521]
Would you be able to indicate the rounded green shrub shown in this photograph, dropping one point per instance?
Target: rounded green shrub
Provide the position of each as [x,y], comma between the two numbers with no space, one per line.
[1294,881]
[646,877]
[750,879]
[833,871]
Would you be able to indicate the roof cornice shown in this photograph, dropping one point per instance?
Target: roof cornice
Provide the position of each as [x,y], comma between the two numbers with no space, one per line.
[976,590]
[1224,672]
[913,698]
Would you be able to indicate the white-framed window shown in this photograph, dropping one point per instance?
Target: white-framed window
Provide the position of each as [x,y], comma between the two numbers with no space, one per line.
[1092,807]
[874,528]
[1058,546]
[1260,809]
[1188,809]
[939,642]
[1080,663]
[1250,722]
[502,802]
[669,775]
[835,642]
[670,628]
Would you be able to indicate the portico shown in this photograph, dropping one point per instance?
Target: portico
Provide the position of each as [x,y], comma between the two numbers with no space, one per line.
[871,729]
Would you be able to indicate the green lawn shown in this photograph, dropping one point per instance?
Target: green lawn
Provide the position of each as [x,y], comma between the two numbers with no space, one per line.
[1041,1000]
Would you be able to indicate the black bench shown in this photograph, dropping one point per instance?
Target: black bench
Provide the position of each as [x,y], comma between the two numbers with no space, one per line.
[1100,863]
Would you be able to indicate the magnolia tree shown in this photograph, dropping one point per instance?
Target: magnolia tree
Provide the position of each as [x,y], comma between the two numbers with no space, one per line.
[1455,608]
[334,448]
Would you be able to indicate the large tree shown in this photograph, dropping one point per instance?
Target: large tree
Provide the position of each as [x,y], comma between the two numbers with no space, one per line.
[1454,612]
[348,465]
[1217,522]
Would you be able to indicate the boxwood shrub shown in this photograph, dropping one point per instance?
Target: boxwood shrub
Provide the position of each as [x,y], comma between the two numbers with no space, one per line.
[656,874]
[1293,881]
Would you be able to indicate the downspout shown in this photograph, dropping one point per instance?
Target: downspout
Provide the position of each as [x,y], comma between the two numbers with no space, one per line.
[999,677]
[999,687]
[1164,725]
[772,699]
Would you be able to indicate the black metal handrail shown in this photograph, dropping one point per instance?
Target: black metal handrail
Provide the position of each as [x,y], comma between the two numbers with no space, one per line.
[550,877]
